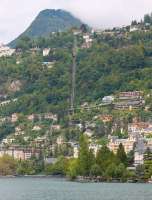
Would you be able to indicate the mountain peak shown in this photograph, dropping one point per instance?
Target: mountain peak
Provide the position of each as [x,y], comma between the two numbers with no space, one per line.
[50,12]
[50,20]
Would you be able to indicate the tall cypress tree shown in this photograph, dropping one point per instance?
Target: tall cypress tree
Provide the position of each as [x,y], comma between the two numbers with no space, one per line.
[86,158]
[121,154]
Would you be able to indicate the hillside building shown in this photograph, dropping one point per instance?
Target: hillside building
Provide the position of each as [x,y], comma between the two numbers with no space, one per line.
[114,143]
[19,153]
[129,100]
[141,128]
[6,51]
[108,99]
[46,51]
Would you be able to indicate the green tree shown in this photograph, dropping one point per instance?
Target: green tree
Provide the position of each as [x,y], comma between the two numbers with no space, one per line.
[130,158]
[26,167]
[105,157]
[121,154]
[147,19]
[7,165]
[95,170]
[58,168]
[85,156]
[111,171]
[120,170]
[73,167]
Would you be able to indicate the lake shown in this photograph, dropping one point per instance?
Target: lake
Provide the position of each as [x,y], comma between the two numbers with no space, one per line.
[59,189]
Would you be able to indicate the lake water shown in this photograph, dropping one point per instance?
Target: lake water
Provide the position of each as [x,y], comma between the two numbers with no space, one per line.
[59,189]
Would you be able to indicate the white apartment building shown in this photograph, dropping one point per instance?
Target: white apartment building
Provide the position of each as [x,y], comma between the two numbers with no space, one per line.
[6,51]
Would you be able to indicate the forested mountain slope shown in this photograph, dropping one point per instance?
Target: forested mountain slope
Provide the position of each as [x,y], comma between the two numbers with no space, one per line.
[49,21]
[109,66]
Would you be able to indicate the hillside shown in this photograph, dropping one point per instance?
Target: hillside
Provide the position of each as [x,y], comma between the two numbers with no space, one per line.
[109,66]
[110,123]
[35,89]
[49,21]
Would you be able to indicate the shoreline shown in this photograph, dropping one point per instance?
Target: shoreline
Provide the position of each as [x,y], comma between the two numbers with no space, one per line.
[33,176]
[77,180]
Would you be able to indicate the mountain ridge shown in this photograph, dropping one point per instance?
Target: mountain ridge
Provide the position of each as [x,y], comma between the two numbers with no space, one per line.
[47,21]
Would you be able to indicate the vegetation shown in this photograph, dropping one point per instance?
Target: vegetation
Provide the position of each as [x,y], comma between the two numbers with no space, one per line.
[115,62]
[7,166]
[105,164]
[10,166]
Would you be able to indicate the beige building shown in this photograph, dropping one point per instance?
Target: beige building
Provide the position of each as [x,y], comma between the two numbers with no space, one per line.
[94,147]
[14,117]
[141,128]
[19,154]
[127,143]
[50,116]
[75,151]
[129,100]
[56,127]
[31,117]
[60,140]
[6,51]
[36,128]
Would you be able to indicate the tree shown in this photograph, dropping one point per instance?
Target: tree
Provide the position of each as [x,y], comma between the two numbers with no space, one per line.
[26,167]
[111,171]
[148,154]
[91,158]
[24,43]
[85,157]
[95,170]
[121,154]
[58,168]
[105,157]
[120,170]
[84,28]
[140,171]
[147,19]
[73,167]
[134,23]
[130,158]
[7,165]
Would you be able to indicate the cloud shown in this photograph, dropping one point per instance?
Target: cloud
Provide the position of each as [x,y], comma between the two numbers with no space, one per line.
[16,15]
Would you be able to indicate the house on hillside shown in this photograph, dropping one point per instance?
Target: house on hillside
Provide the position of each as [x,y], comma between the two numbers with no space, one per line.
[19,153]
[31,117]
[87,41]
[46,51]
[56,127]
[129,100]
[88,133]
[108,99]
[134,28]
[6,51]
[36,128]
[106,118]
[114,143]
[51,116]
[14,117]
[141,128]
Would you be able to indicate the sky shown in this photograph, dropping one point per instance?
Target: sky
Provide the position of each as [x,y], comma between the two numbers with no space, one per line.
[17,15]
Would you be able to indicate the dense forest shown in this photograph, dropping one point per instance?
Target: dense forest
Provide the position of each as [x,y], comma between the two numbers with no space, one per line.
[109,66]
